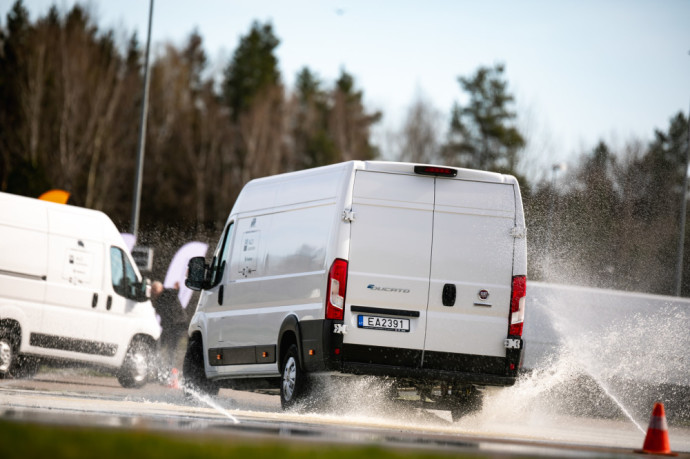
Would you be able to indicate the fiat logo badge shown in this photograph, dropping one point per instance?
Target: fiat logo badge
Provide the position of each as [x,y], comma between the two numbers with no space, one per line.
[483,295]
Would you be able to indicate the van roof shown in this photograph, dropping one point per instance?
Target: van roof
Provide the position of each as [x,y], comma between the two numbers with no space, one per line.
[463,174]
[32,213]
[383,166]
[325,183]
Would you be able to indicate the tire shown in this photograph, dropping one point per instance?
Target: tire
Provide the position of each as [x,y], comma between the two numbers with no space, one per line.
[193,369]
[9,348]
[465,401]
[7,355]
[135,369]
[294,384]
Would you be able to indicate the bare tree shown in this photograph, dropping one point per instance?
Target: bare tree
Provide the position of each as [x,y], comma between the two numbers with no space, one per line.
[419,139]
[261,130]
[349,125]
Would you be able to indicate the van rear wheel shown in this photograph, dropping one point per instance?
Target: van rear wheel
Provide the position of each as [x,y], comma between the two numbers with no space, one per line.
[465,401]
[135,369]
[294,381]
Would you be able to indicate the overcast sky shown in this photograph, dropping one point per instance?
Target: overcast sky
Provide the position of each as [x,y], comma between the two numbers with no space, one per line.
[581,70]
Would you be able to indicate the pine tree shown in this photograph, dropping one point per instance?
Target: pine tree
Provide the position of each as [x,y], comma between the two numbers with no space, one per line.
[482,134]
[253,68]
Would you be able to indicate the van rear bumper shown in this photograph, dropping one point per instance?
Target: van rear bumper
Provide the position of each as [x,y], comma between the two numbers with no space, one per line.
[428,375]
[324,351]
[429,366]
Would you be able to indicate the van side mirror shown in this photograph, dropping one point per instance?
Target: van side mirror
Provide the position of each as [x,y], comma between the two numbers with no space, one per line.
[196,274]
[142,290]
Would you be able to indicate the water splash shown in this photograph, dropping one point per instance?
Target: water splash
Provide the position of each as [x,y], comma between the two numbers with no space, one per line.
[210,402]
[631,346]
[622,407]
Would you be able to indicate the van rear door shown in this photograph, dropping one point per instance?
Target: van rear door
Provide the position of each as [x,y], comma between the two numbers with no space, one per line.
[389,263]
[472,259]
[413,237]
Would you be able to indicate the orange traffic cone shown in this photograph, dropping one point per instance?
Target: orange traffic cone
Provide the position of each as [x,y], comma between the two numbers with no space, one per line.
[174,381]
[656,441]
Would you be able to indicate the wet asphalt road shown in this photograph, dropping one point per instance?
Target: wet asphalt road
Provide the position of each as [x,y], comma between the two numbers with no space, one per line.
[504,427]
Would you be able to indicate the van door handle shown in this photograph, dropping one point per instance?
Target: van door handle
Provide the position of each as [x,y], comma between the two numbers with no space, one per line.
[94,300]
[220,295]
[109,303]
[448,296]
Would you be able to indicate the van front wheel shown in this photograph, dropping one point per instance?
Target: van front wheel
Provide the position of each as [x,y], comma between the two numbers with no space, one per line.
[294,383]
[7,354]
[193,369]
[10,361]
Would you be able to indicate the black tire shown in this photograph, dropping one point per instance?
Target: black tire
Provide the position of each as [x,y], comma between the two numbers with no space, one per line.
[135,369]
[294,384]
[8,352]
[12,364]
[465,401]
[193,369]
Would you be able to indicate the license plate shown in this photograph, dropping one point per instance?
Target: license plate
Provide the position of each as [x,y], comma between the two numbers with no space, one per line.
[383,323]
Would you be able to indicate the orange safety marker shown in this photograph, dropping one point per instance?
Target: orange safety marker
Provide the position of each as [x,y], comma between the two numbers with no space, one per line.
[174,381]
[57,196]
[656,441]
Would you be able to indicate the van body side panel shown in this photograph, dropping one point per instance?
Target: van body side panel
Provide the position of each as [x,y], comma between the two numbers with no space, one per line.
[389,256]
[472,251]
[277,269]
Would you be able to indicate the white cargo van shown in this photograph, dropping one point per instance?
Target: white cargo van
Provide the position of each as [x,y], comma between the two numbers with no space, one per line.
[412,272]
[69,291]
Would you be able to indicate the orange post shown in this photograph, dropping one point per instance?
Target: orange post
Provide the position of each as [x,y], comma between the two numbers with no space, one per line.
[174,381]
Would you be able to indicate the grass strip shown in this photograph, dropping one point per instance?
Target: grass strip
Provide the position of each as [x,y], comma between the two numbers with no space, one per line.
[27,441]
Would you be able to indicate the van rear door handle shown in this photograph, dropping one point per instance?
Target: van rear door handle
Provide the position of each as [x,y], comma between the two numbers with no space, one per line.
[94,300]
[448,296]
[109,303]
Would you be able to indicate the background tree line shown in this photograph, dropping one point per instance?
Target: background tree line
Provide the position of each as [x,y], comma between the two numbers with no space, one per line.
[70,99]
[69,115]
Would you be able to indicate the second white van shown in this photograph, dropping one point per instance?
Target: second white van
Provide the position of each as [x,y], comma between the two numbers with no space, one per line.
[70,293]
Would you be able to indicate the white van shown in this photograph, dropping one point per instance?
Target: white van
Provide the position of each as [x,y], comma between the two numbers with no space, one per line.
[412,272]
[69,291]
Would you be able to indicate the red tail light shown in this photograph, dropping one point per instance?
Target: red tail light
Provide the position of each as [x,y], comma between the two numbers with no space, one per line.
[517,305]
[335,294]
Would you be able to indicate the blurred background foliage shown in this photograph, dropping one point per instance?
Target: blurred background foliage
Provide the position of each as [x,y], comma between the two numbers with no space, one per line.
[70,99]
